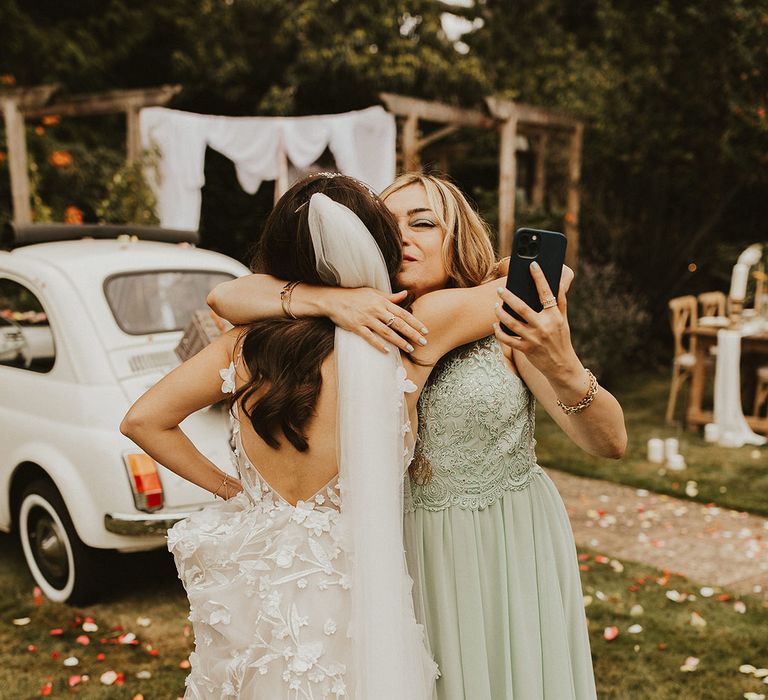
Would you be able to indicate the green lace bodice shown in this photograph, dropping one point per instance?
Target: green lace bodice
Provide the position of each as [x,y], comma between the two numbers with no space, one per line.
[476,425]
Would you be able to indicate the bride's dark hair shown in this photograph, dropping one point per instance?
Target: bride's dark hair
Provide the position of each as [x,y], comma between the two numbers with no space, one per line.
[284,355]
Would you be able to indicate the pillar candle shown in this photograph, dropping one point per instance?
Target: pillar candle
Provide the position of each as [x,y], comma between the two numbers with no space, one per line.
[671,446]
[655,450]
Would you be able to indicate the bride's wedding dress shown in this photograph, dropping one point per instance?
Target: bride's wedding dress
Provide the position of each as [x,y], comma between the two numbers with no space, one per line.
[312,600]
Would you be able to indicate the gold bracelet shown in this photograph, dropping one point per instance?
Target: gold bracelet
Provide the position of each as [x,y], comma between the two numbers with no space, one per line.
[224,481]
[586,401]
[285,298]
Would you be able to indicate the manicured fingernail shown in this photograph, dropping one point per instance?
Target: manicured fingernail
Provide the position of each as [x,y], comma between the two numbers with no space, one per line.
[409,347]
[499,290]
[497,305]
[424,331]
[535,265]
[422,341]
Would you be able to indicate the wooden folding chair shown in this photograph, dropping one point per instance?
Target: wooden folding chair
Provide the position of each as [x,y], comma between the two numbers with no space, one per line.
[683,315]
[712,303]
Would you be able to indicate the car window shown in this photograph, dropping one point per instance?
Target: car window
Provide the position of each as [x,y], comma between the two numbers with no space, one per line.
[158,302]
[26,339]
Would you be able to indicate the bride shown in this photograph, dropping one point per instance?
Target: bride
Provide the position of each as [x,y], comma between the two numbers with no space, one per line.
[296,580]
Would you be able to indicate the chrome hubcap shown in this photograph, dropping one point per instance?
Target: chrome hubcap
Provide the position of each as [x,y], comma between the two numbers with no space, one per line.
[47,541]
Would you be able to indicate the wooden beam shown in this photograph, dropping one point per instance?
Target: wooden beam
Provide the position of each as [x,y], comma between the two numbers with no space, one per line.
[410,144]
[435,111]
[530,115]
[437,135]
[507,182]
[106,102]
[540,148]
[573,198]
[17,161]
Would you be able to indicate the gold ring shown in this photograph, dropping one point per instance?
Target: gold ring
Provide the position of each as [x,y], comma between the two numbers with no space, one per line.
[548,302]
[391,321]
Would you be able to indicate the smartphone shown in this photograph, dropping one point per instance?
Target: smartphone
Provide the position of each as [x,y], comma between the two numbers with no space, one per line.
[545,247]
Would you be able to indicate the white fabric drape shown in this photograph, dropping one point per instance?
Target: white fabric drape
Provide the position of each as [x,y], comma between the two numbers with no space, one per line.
[375,445]
[362,142]
[729,415]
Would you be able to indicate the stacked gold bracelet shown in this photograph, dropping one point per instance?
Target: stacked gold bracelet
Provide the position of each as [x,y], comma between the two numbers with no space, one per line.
[285,298]
[586,401]
[225,482]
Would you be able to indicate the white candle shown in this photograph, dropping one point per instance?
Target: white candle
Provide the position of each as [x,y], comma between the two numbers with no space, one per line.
[676,463]
[655,450]
[671,446]
[739,279]
[711,432]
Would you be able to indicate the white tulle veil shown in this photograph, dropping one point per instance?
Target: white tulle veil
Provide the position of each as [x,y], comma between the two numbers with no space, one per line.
[375,444]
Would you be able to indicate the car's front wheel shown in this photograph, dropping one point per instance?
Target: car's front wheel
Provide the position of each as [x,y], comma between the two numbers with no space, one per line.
[65,568]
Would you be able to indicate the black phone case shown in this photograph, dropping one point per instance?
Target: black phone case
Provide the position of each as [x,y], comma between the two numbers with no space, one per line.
[548,251]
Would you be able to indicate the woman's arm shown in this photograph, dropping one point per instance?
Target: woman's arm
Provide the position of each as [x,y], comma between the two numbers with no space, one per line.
[547,363]
[362,311]
[153,421]
[461,315]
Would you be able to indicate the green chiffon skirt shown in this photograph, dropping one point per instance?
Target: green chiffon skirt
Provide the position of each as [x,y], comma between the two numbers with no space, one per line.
[498,591]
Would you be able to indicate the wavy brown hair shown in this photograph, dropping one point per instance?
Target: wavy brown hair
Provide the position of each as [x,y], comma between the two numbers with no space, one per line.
[284,356]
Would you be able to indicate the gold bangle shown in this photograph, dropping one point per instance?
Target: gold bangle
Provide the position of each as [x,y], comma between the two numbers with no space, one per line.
[285,298]
[586,401]
[225,481]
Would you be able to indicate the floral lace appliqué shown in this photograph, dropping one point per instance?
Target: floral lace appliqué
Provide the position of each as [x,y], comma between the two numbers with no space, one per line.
[476,426]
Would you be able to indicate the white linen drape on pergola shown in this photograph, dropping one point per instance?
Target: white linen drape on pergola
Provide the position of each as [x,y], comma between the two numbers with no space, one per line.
[362,142]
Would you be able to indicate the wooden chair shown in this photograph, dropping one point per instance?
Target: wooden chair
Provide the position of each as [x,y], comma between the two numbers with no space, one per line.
[761,391]
[683,315]
[712,303]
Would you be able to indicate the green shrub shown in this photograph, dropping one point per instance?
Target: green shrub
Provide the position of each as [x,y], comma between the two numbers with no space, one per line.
[609,323]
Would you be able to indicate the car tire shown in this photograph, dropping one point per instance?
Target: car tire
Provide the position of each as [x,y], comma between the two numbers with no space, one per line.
[66,569]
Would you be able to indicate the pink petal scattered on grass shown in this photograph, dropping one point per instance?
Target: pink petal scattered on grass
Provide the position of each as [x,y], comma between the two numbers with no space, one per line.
[610,633]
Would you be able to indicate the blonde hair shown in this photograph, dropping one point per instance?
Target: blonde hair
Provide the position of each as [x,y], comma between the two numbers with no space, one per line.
[468,255]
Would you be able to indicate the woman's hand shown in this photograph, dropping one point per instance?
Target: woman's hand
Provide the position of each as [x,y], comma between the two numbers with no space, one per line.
[375,317]
[543,337]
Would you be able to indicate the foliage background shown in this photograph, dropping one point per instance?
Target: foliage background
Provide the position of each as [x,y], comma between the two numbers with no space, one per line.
[674,94]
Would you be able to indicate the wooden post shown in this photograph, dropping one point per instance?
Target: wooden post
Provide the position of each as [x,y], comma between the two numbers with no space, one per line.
[572,202]
[541,145]
[507,182]
[133,136]
[411,156]
[17,161]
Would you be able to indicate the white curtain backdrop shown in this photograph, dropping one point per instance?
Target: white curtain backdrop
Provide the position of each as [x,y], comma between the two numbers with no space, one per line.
[362,142]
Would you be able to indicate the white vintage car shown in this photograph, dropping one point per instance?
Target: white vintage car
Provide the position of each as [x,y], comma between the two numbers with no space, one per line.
[100,318]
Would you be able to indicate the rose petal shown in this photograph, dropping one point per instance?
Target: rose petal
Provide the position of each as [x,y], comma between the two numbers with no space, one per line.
[71,661]
[610,633]
[21,621]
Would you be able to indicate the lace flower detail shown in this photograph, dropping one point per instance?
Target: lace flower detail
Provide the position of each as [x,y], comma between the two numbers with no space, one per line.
[404,384]
[228,377]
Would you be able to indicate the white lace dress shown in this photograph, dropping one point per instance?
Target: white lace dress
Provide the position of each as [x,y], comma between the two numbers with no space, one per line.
[268,591]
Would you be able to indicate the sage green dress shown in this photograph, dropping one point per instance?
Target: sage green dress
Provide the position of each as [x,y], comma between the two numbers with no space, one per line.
[489,544]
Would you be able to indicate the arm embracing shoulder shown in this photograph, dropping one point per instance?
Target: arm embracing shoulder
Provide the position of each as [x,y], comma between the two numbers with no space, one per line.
[455,317]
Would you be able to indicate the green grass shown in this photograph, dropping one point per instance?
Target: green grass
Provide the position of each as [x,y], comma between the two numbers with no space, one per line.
[735,478]
[630,667]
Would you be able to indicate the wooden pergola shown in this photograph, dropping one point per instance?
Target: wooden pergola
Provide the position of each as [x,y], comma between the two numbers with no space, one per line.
[19,104]
[510,118]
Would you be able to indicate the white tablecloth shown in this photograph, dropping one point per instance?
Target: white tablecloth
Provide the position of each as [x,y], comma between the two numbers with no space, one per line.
[733,429]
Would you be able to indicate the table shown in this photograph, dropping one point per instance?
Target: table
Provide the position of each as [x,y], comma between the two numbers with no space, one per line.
[706,337]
